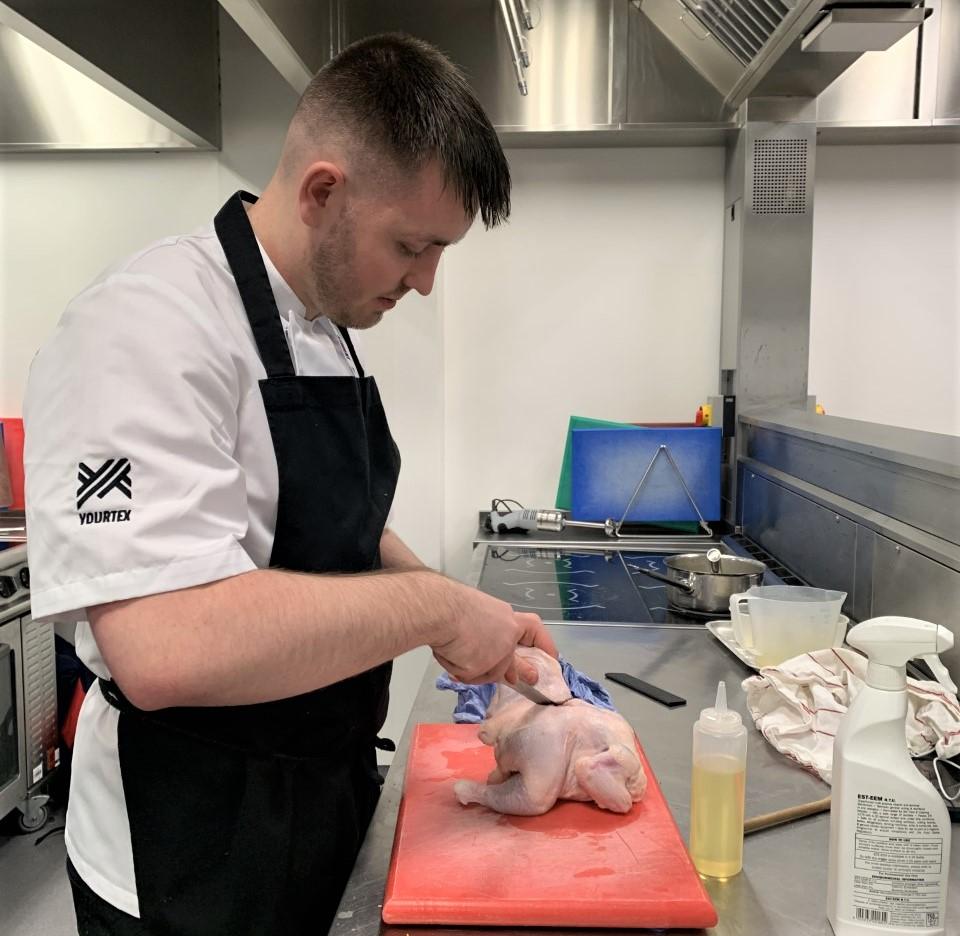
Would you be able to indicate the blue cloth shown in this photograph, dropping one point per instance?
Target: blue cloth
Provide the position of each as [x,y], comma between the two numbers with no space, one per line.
[473,701]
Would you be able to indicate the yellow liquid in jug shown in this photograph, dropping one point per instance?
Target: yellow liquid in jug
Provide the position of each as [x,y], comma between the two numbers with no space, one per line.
[716,815]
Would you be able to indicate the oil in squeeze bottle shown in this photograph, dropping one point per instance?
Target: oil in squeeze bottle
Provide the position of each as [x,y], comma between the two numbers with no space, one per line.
[716,797]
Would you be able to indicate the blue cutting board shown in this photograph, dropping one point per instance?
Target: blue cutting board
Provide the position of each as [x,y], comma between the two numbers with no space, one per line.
[607,465]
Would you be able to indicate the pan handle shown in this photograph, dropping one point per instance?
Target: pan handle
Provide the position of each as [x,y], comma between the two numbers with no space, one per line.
[683,586]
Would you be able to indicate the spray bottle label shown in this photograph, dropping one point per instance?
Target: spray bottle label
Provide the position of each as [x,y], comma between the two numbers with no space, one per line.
[898,864]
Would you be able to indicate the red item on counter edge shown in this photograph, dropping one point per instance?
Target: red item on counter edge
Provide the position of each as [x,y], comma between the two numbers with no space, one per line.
[12,431]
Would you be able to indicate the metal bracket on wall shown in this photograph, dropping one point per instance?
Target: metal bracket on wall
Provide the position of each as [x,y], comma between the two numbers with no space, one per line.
[518,43]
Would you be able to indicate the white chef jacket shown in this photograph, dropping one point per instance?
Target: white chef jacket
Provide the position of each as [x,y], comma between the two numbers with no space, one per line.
[149,468]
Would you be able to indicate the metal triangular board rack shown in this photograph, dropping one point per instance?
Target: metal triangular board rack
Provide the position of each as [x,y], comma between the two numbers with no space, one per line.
[612,527]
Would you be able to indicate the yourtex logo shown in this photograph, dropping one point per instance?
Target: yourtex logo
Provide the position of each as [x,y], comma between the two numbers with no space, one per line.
[112,475]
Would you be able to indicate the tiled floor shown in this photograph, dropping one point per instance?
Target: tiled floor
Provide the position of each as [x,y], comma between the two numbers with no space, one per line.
[34,893]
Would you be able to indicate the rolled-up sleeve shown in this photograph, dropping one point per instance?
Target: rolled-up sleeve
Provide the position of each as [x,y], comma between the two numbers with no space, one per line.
[131,422]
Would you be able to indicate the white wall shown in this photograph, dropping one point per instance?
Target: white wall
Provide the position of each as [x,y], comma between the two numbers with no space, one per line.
[63,218]
[600,298]
[885,304]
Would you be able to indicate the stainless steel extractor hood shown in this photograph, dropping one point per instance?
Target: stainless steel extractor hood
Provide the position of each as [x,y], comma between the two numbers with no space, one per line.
[297,38]
[773,48]
[595,66]
[109,74]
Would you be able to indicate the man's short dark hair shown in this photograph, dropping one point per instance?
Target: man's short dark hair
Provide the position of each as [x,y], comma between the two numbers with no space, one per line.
[402,98]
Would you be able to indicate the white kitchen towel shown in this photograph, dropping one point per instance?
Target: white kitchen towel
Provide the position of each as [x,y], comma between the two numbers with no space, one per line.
[797,706]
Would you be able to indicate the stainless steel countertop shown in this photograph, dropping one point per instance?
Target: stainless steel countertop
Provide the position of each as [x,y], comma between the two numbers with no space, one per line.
[782,889]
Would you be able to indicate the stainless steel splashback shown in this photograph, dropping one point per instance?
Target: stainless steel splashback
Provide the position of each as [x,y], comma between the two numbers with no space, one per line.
[597,68]
[577,50]
[641,72]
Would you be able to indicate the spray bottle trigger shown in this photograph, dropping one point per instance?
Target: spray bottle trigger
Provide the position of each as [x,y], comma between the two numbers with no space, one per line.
[940,671]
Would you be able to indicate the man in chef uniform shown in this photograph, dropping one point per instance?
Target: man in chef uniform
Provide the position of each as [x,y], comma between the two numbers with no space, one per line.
[209,474]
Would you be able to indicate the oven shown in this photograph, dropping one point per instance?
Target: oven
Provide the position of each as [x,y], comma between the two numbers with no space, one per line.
[29,734]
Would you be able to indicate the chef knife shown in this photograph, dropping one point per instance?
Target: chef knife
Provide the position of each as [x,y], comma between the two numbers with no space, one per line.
[530,692]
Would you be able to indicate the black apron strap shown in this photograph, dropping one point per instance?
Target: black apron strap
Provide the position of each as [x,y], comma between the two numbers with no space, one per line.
[353,351]
[243,254]
[111,692]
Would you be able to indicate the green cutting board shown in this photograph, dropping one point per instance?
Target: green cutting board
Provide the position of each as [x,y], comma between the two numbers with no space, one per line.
[565,487]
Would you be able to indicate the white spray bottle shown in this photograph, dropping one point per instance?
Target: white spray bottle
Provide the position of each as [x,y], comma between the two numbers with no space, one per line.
[889,827]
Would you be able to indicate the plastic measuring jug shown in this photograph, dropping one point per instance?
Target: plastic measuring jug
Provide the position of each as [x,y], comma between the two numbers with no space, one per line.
[777,622]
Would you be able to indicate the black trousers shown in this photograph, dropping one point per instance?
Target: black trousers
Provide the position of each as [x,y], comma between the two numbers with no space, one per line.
[96,917]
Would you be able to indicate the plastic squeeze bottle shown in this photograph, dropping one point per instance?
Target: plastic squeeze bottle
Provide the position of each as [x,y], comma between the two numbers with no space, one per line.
[716,797]
[889,827]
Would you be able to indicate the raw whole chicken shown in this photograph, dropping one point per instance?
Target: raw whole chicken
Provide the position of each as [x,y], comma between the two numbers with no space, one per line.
[572,750]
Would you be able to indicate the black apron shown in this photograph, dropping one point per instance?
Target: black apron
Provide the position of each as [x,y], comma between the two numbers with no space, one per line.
[247,819]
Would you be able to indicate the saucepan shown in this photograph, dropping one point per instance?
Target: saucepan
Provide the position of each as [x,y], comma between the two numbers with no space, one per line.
[705,582]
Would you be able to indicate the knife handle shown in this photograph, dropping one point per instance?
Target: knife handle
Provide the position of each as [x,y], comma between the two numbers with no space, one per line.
[644,688]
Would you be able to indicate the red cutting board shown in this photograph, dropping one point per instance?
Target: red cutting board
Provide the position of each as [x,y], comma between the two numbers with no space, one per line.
[578,865]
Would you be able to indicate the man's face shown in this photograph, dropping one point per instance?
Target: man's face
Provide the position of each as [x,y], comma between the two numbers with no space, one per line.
[383,246]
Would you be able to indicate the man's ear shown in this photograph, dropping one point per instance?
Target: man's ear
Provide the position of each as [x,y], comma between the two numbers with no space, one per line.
[321,193]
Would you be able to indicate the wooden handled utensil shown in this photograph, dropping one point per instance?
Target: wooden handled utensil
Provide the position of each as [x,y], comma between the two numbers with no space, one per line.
[768,820]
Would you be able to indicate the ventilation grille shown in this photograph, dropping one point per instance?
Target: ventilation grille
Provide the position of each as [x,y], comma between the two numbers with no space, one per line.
[40,699]
[780,177]
[757,552]
[741,26]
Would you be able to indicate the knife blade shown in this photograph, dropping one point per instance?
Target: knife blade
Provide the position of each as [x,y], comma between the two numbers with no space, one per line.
[530,692]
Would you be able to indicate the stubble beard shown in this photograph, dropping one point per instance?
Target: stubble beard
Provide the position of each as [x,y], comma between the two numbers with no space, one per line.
[334,280]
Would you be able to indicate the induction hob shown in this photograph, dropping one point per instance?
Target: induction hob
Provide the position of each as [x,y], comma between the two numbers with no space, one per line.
[584,586]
